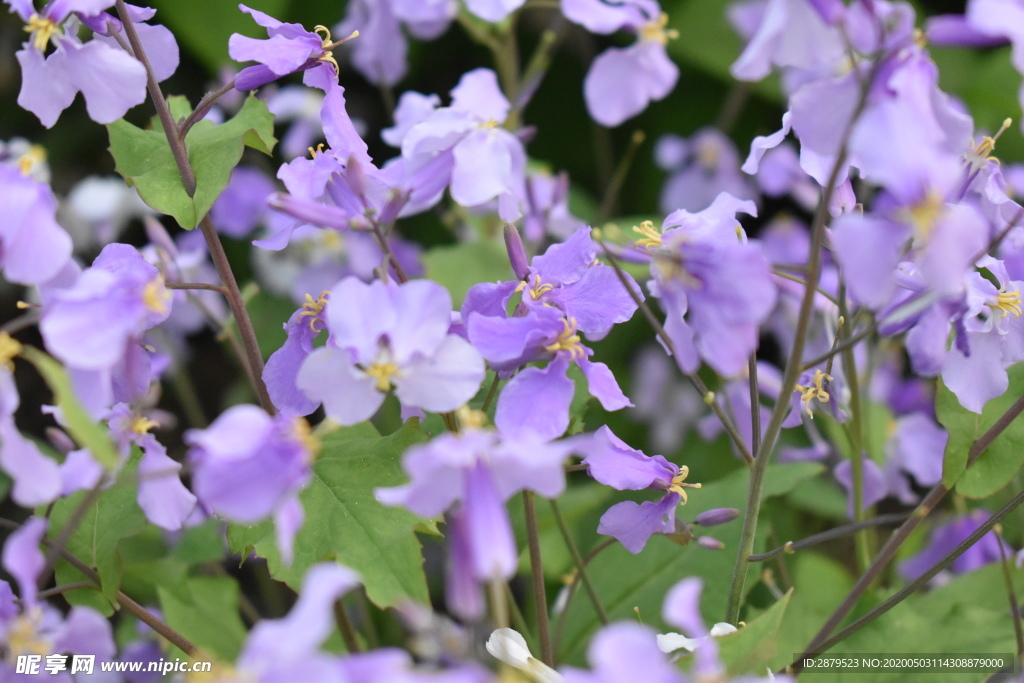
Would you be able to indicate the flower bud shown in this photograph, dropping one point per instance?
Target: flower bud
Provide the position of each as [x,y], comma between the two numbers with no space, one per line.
[716,516]
[516,252]
[710,543]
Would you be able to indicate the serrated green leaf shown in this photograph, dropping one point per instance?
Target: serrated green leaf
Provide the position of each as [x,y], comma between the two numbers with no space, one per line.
[204,609]
[344,521]
[113,516]
[145,160]
[83,428]
[625,581]
[1001,460]
[750,649]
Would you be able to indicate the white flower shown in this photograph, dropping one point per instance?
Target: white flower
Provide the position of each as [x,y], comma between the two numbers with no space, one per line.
[510,647]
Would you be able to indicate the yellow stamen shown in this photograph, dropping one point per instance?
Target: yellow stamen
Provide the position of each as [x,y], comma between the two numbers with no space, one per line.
[923,216]
[708,156]
[142,425]
[679,484]
[305,435]
[537,289]
[1007,303]
[155,296]
[23,635]
[382,372]
[42,29]
[470,418]
[982,152]
[30,159]
[651,235]
[655,31]
[327,45]
[312,309]
[489,123]
[9,348]
[319,150]
[816,391]
[568,340]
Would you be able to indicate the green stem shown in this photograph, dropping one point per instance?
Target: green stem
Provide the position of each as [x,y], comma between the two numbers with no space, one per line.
[581,566]
[540,599]
[348,631]
[862,541]
[611,193]
[829,535]
[901,595]
[1011,593]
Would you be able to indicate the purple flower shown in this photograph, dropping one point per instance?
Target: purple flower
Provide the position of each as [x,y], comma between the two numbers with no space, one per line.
[91,324]
[625,651]
[701,167]
[288,48]
[289,648]
[1001,19]
[110,80]
[464,144]
[36,478]
[946,537]
[715,286]
[385,335]
[33,247]
[248,465]
[623,81]
[38,628]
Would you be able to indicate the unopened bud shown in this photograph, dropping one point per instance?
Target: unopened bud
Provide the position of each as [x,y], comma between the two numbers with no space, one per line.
[356,177]
[710,543]
[516,252]
[59,440]
[717,516]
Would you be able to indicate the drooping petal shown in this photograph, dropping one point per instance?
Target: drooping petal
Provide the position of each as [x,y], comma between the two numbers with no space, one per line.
[623,81]
[349,395]
[162,496]
[633,524]
[111,81]
[443,381]
[536,400]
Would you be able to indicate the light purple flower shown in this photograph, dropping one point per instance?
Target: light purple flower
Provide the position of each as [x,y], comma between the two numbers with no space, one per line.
[385,335]
[949,535]
[625,651]
[110,80]
[33,247]
[247,466]
[701,167]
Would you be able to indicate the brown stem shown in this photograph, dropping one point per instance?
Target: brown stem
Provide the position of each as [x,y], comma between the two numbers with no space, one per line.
[540,598]
[203,107]
[829,535]
[197,285]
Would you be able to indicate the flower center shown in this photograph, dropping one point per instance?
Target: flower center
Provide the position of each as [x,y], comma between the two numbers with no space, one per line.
[815,391]
[9,348]
[651,235]
[982,152]
[23,635]
[312,310]
[655,31]
[382,372]
[155,296]
[568,340]
[1006,304]
[304,434]
[30,159]
[923,216]
[41,30]
[142,425]
[679,484]
[327,46]
[537,289]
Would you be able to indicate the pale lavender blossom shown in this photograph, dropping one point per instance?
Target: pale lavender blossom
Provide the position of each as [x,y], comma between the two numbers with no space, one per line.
[701,167]
[33,247]
[949,535]
[384,335]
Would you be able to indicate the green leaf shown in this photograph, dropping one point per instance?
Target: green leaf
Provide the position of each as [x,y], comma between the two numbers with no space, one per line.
[145,160]
[83,428]
[204,609]
[113,516]
[344,521]
[461,266]
[750,649]
[625,581]
[1001,460]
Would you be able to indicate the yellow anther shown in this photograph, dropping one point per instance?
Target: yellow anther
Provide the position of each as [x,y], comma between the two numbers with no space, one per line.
[23,636]
[982,152]
[655,30]
[327,45]
[155,296]
[382,372]
[920,39]
[142,425]
[679,484]
[1007,303]
[651,235]
[815,391]
[470,418]
[318,150]
[312,309]
[923,216]
[9,348]
[305,436]
[488,124]
[709,155]
[30,159]
[537,289]
[42,29]
[568,340]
